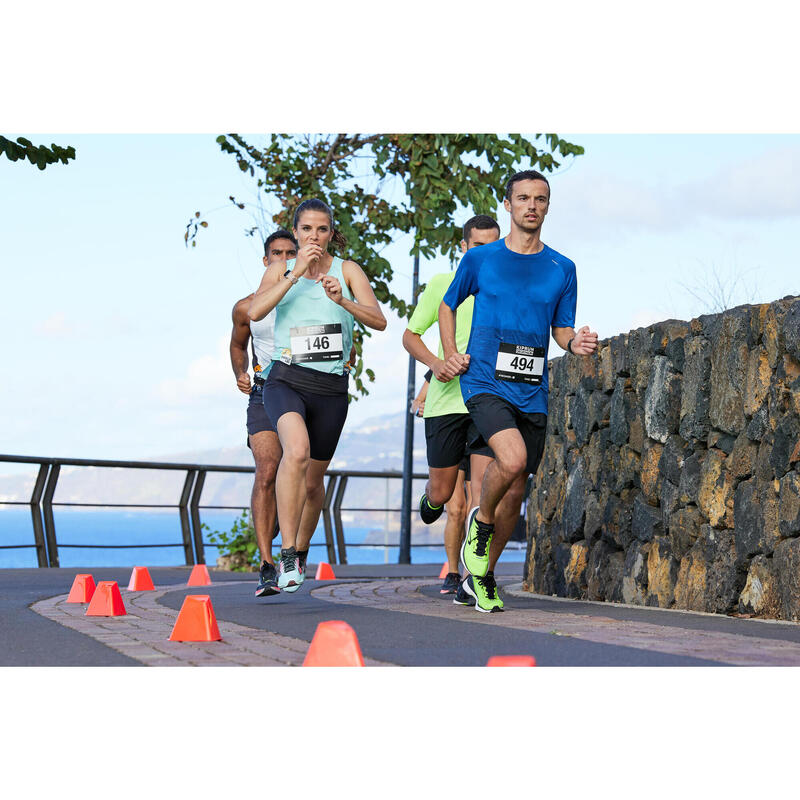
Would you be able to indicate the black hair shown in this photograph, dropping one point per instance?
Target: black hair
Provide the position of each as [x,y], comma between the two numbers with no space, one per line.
[314,204]
[483,222]
[526,175]
[279,234]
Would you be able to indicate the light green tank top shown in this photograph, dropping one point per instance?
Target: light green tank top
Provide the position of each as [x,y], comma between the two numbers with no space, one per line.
[310,329]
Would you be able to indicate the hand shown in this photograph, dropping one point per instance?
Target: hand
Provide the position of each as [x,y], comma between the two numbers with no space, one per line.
[243,382]
[418,407]
[585,342]
[332,288]
[456,364]
[307,255]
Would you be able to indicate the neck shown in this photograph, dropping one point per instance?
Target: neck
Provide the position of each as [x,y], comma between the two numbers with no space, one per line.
[524,242]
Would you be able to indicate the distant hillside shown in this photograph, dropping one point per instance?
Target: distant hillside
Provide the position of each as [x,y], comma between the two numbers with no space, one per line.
[376,444]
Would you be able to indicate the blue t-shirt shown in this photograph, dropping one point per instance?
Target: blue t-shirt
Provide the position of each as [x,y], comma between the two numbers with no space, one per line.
[518,298]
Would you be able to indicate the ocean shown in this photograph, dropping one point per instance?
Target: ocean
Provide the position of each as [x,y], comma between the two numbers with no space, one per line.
[100,528]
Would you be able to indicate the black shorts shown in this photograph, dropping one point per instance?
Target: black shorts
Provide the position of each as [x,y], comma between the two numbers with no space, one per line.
[449,439]
[491,414]
[324,414]
[257,418]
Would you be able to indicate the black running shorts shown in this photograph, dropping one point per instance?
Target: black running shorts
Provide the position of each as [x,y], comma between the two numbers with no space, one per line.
[324,414]
[492,414]
[257,418]
[449,438]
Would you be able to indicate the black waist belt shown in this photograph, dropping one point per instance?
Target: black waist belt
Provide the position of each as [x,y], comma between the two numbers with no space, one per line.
[308,379]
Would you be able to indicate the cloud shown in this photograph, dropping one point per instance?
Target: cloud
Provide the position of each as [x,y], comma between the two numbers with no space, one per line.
[56,325]
[764,188]
[206,376]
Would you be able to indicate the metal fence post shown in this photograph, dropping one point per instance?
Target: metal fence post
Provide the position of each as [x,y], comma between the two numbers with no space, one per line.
[184,515]
[326,518]
[199,552]
[337,518]
[47,512]
[36,515]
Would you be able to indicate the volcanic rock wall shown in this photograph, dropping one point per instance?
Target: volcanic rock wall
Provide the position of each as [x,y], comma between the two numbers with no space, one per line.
[671,473]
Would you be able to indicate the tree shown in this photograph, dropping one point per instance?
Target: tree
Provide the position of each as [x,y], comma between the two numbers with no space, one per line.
[41,155]
[381,186]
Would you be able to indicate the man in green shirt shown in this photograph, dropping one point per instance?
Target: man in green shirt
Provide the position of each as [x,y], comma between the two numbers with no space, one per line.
[448,427]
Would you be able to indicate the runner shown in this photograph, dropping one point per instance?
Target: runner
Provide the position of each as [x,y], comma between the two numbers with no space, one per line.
[317,299]
[522,290]
[261,437]
[448,428]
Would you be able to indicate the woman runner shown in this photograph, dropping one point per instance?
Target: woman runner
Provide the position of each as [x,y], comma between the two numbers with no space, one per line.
[317,297]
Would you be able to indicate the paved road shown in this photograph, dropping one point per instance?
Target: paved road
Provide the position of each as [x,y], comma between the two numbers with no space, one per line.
[397,612]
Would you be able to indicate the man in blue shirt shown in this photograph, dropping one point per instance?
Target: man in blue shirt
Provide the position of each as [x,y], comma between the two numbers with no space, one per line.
[522,290]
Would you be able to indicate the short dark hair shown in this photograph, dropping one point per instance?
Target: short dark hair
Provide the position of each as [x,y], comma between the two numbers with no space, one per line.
[526,175]
[279,234]
[482,222]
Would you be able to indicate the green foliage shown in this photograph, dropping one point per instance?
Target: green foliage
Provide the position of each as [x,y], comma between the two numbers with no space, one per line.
[240,540]
[41,155]
[381,186]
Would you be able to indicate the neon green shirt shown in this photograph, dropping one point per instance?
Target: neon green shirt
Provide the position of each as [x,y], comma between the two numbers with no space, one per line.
[443,398]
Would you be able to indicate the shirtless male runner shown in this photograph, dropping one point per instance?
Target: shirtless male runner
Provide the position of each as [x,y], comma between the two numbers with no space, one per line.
[523,290]
[261,436]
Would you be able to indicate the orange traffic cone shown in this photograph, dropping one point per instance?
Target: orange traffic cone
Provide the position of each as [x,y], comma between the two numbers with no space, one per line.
[199,576]
[140,580]
[324,572]
[335,644]
[196,621]
[511,661]
[106,601]
[444,571]
[82,589]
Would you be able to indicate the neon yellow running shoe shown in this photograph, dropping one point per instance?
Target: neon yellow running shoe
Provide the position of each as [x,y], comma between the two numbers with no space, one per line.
[484,590]
[475,550]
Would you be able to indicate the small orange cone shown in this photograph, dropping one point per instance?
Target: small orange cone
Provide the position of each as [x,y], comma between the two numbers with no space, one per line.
[199,576]
[196,621]
[82,589]
[106,601]
[445,571]
[511,661]
[140,580]
[324,572]
[335,644]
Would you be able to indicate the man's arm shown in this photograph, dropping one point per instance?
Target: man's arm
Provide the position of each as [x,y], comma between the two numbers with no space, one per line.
[454,362]
[584,341]
[240,337]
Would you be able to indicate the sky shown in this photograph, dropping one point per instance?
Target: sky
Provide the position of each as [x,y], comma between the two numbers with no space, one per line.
[115,335]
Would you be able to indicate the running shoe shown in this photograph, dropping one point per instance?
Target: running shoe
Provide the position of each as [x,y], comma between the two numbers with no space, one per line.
[427,512]
[451,583]
[484,590]
[302,557]
[475,550]
[289,575]
[462,598]
[267,580]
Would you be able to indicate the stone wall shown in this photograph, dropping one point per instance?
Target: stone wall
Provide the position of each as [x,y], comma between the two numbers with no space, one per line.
[671,474]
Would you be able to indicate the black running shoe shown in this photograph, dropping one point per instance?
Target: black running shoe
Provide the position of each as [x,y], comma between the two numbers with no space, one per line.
[302,556]
[427,512]
[451,583]
[462,598]
[267,580]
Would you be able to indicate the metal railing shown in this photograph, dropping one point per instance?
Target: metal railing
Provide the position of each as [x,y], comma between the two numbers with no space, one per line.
[44,528]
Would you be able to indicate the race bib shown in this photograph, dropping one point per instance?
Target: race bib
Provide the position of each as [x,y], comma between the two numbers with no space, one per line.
[316,343]
[519,363]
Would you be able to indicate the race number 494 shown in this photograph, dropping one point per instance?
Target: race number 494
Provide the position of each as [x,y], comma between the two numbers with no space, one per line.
[519,363]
